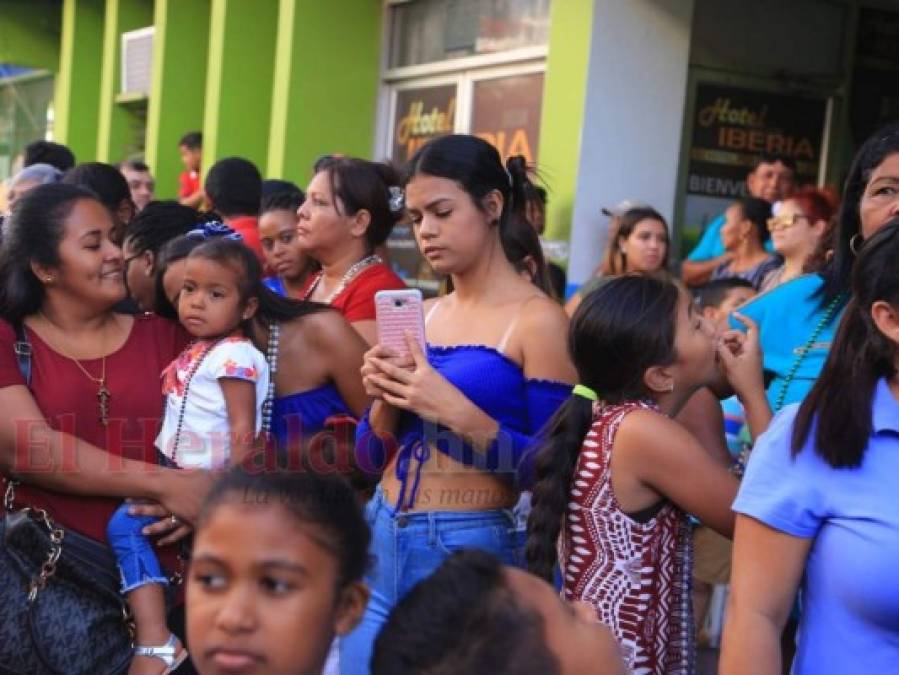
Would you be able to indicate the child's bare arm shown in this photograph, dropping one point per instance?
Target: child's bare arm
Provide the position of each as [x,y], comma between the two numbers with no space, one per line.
[240,402]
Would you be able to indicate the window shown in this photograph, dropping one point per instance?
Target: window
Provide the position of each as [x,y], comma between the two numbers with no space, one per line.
[429,31]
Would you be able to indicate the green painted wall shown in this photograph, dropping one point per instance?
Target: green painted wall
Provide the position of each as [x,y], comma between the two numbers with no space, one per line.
[120,130]
[77,93]
[180,50]
[564,98]
[326,83]
[29,33]
[239,79]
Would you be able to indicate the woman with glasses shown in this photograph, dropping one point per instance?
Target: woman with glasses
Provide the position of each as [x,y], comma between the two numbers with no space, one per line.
[796,231]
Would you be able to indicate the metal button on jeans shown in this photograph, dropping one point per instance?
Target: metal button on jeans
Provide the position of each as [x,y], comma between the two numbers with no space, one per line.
[402,521]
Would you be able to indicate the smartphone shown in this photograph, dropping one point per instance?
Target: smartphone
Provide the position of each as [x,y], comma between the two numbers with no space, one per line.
[397,312]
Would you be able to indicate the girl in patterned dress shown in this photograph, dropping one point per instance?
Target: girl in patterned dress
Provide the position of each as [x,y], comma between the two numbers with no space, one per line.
[616,477]
[213,413]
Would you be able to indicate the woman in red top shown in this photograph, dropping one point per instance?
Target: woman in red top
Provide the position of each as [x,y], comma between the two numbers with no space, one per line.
[351,206]
[80,436]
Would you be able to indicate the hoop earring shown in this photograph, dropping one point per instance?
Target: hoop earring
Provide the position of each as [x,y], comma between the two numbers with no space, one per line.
[853,243]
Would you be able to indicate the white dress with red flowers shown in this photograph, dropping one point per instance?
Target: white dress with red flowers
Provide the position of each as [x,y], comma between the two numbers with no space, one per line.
[205,437]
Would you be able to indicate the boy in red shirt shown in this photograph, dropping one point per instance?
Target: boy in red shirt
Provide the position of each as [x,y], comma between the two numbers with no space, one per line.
[190,192]
[234,190]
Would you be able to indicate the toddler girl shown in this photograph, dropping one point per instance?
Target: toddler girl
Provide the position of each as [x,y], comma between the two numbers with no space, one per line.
[213,412]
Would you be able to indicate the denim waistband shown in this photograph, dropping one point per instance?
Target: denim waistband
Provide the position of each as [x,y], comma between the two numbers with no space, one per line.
[380,505]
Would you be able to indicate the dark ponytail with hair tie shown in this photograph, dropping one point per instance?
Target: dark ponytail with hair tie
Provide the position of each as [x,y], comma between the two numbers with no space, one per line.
[553,474]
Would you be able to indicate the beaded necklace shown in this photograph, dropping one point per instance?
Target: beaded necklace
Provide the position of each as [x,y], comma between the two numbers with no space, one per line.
[345,279]
[187,380]
[829,311]
[271,355]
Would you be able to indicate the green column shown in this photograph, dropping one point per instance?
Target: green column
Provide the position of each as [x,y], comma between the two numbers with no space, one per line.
[180,50]
[564,98]
[29,33]
[326,83]
[239,79]
[77,90]
[120,129]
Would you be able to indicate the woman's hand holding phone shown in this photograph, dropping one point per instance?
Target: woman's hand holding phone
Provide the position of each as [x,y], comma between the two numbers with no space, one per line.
[370,368]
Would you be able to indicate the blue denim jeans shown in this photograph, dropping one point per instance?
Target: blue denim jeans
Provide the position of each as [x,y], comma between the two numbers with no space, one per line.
[406,548]
[137,560]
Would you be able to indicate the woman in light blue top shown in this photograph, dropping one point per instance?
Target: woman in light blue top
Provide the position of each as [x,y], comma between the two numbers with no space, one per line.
[817,508]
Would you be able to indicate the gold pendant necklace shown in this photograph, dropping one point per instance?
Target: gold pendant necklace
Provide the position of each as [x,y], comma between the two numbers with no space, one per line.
[103,393]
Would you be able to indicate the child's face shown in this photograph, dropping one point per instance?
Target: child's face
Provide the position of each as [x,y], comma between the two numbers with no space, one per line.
[262,593]
[278,236]
[191,157]
[696,363]
[734,298]
[209,304]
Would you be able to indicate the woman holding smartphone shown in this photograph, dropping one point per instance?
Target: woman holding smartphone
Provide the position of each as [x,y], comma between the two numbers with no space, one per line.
[453,424]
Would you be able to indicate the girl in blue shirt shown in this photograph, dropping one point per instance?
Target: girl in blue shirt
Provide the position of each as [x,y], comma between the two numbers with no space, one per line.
[817,506]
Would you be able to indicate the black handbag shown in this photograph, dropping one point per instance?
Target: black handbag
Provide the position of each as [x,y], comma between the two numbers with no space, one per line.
[61,611]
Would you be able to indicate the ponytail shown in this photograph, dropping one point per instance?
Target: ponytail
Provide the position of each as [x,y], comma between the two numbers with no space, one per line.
[522,188]
[554,471]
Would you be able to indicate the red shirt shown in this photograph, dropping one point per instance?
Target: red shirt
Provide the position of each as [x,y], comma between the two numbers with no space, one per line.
[188,184]
[248,228]
[68,400]
[357,301]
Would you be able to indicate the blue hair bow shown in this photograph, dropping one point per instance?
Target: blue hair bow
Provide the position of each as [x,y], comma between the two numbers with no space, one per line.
[213,230]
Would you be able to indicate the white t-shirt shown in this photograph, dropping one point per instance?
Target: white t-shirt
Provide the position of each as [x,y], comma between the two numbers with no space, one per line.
[205,440]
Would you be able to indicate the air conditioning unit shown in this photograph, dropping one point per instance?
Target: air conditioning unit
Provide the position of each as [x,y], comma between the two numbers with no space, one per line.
[137,61]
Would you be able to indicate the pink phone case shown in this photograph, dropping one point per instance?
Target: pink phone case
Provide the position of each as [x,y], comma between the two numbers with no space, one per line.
[397,312]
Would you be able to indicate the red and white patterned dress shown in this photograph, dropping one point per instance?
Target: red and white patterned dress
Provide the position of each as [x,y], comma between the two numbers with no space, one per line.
[635,575]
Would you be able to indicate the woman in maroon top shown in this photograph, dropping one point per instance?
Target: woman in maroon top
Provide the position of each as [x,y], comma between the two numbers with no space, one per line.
[351,206]
[80,438]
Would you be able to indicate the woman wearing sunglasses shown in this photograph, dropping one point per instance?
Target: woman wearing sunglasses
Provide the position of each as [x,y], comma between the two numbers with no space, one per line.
[796,231]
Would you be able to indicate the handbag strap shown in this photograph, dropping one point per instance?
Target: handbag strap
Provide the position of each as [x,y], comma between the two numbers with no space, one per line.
[22,349]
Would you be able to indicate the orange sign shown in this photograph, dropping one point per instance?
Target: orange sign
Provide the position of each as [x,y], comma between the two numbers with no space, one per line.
[506,113]
[422,114]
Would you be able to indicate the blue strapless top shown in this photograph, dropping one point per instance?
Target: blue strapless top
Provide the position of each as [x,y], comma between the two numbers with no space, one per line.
[495,384]
[305,413]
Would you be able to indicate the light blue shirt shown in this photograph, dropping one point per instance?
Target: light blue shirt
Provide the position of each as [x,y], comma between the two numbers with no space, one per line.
[710,245]
[787,315]
[850,589]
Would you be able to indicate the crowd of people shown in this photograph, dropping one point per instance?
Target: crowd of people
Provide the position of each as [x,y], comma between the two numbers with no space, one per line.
[197,391]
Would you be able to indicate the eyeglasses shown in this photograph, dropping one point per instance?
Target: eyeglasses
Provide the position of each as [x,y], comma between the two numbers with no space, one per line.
[785,222]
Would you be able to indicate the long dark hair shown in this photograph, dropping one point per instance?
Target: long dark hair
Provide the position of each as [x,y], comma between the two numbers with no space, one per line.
[476,166]
[272,306]
[32,235]
[619,331]
[838,407]
[869,156]
[520,241]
